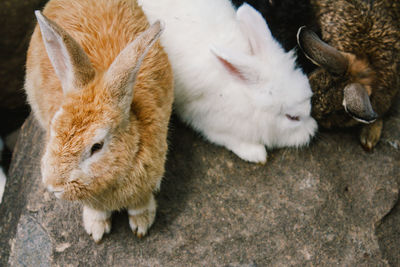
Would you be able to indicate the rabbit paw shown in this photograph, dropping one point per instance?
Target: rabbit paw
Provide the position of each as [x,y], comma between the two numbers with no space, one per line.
[140,220]
[370,134]
[96,222]
[250,152]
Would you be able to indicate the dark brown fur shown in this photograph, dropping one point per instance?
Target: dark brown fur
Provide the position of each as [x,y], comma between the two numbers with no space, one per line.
[370,35]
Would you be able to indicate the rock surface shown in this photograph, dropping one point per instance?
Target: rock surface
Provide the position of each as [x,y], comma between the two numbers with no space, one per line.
[328,204]
[388,231]
[331,203]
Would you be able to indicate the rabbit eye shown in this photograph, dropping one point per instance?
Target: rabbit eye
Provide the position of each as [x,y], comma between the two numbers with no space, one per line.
[293,118]
[96,147]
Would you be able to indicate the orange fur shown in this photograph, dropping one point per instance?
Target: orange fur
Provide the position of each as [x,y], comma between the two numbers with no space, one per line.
[131,169]
[360,72]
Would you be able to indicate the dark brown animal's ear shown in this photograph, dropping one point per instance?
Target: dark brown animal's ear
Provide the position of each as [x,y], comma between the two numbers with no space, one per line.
[320,53]
[356,102]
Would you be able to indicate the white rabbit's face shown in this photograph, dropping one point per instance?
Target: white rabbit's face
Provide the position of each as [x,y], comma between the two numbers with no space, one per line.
[278,91]
[286,103]
[296,98]
[282,90]
[296,124]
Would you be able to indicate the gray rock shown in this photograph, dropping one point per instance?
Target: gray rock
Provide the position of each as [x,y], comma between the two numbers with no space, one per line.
[388,231]
[329,204]
[33,245]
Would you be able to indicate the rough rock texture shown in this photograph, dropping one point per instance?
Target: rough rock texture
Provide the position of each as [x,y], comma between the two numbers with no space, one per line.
[388,231]
[317,206]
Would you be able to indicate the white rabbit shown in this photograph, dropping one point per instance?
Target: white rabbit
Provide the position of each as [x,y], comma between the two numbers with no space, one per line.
[233,82]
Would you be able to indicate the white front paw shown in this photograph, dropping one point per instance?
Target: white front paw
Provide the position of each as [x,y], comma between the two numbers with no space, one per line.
[96,223]
[251,152]
[140,220]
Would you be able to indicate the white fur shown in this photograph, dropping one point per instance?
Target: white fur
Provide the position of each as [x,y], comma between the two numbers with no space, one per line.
[96,223]
[245,111]
[150,206]
[58,192]
[3,178]
[140,220]
[47,168]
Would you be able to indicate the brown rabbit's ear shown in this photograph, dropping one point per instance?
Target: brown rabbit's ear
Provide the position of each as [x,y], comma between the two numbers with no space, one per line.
[70,62]
[320,53]
[357,103]
[121,75]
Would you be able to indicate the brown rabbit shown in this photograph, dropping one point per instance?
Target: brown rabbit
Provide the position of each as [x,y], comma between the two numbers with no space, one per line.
[359,63]
[103,92]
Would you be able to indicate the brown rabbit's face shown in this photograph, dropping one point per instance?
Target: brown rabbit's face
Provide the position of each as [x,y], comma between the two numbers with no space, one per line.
[342,85]
[327,96]
[329,102]
[78,142]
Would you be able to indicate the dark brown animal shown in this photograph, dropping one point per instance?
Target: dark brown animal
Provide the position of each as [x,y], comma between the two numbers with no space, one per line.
[359,63]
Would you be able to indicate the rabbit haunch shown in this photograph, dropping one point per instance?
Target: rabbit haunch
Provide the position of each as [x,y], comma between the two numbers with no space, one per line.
[233,82]
[101,86]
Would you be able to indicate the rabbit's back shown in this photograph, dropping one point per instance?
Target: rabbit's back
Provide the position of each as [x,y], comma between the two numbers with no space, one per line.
[192,28]
[103,28]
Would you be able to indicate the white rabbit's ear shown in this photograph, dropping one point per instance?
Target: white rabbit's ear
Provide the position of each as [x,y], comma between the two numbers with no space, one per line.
[255,28]
[237,64]
[69,61]
[121,75]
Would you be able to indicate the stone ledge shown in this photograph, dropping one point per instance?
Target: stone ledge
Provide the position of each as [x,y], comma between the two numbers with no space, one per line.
[314,206]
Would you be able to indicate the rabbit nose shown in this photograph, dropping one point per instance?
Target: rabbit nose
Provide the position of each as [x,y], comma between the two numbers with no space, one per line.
[59,194]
